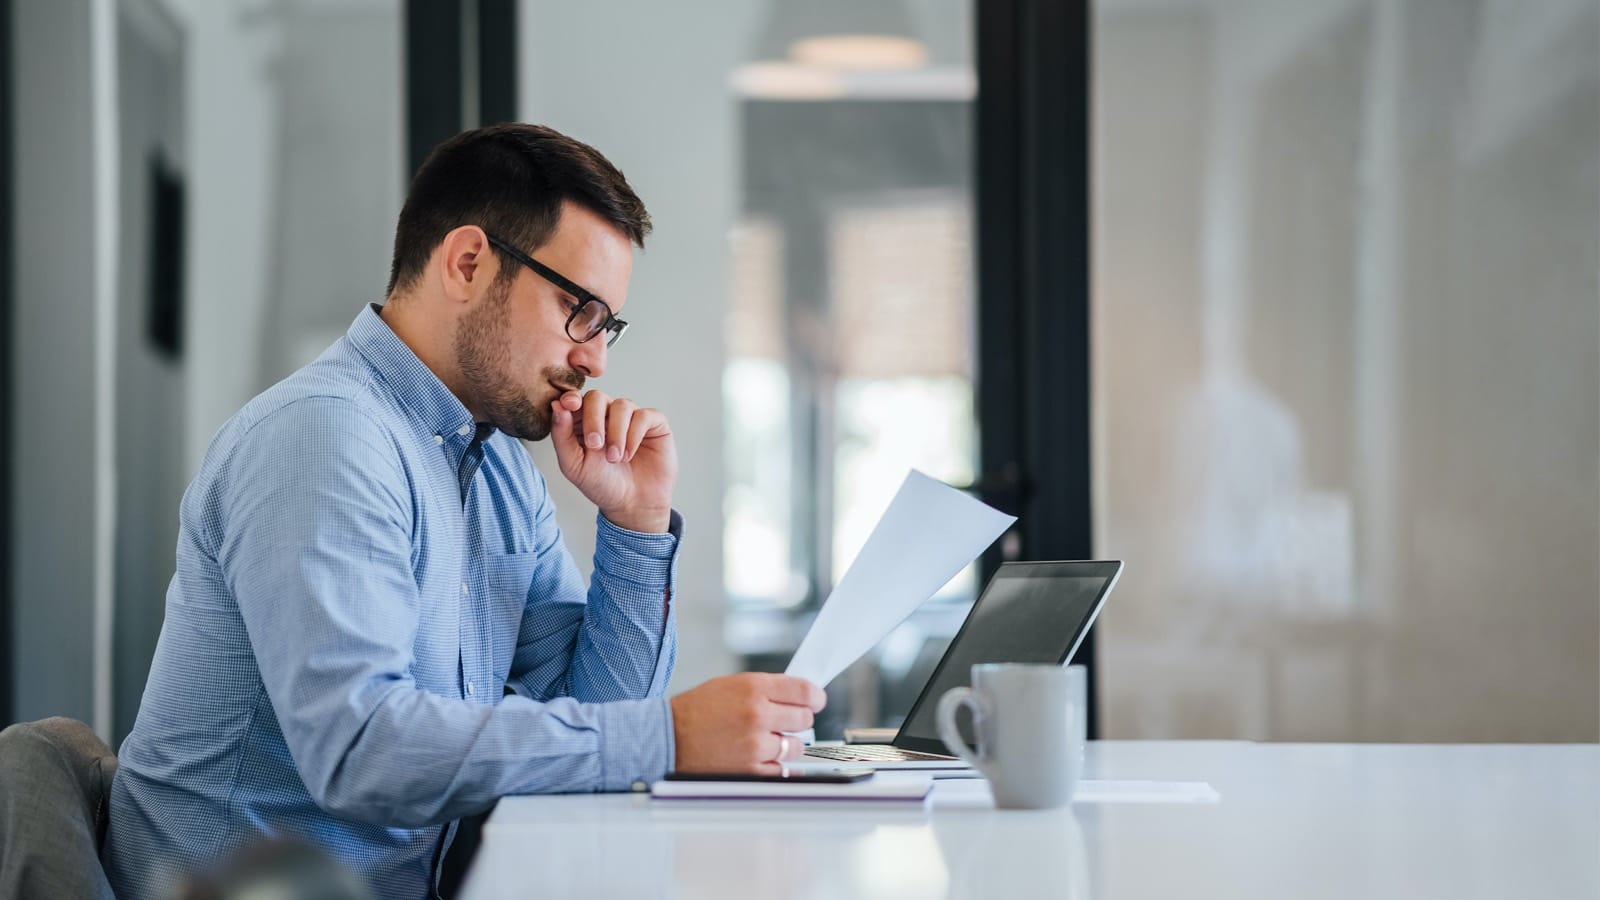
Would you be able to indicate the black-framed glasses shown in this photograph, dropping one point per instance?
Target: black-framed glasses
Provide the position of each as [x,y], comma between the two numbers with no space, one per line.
[589,318]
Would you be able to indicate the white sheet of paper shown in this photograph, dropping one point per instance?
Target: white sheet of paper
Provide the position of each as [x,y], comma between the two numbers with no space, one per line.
[928,534]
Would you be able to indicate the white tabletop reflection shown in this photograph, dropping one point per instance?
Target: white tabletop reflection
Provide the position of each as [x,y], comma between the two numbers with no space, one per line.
[1294,820]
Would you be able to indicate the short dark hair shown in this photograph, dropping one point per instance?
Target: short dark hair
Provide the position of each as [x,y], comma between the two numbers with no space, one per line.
[510,180]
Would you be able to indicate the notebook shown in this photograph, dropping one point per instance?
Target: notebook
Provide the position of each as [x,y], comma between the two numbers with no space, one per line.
[902,789]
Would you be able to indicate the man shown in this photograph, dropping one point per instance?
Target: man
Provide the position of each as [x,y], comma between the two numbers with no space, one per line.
[375,629]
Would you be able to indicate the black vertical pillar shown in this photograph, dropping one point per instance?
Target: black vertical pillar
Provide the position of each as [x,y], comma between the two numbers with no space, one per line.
[1033,274]
[497,61]
[433,76]
[461,69]
[7,111]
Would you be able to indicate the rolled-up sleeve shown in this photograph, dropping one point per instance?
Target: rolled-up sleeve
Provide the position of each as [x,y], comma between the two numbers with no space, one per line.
[617,640]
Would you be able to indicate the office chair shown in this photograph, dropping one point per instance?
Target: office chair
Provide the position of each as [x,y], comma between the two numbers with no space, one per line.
[55,791]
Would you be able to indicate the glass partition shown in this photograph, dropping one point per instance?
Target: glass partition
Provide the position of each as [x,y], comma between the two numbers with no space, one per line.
[1346,368]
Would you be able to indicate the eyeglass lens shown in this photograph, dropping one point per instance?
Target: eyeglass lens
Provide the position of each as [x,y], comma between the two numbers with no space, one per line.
[587,321]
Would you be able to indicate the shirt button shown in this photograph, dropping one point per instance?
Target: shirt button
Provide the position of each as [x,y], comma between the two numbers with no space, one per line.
[463,588]
[438,439]
[464,430]
[469,689]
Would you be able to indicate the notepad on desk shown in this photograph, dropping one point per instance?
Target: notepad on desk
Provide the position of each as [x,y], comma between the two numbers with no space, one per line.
[903,789]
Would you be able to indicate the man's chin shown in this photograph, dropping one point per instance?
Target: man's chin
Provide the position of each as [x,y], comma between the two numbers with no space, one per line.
[529,427]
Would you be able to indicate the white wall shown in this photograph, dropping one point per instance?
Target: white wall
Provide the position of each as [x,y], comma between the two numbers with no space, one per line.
[340,174]
[305,212]
[149,409]
[58,472]
[296,161]
[231,101]
[647,84]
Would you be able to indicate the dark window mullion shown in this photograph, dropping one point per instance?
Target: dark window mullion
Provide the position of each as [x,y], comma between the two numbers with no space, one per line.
[433,76]
[497,61]
[1033,265]
[435,57]
[7,677]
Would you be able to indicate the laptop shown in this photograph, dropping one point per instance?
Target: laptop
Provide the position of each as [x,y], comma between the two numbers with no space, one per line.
[1031,612]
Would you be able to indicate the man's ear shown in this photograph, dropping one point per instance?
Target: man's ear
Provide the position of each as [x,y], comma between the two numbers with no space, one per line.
[463,261]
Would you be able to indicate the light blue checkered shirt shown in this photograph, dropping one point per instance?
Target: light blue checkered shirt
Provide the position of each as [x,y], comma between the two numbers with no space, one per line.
[343,624]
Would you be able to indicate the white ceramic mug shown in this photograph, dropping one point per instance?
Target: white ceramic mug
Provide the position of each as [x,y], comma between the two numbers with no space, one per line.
[1028,722]
[1078,729]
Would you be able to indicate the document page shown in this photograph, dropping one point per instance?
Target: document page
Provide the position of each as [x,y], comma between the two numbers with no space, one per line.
[927,535]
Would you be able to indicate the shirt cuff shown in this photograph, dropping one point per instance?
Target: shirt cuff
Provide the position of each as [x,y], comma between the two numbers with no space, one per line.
[636,743]
[636,556]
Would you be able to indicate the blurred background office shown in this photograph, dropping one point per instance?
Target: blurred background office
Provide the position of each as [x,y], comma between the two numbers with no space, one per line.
[1295,307]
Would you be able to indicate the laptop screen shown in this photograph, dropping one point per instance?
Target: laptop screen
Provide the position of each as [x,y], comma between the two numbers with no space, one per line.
[1031,613]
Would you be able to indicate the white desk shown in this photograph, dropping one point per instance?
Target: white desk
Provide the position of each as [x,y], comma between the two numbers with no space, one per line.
[1295,821]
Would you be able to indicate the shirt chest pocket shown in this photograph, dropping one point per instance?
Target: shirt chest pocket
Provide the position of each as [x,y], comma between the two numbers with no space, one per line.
[507,577]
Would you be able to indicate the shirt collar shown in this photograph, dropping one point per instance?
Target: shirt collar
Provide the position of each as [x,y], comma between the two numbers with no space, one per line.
[419,390]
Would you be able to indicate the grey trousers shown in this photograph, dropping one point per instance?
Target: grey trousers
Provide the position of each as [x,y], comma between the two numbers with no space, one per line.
[55,784]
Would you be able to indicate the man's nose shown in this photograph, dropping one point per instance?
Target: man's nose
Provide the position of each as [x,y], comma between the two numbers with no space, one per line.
[589,357]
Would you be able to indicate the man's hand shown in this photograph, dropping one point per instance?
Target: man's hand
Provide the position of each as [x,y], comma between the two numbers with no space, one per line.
[732,723]
[621,456]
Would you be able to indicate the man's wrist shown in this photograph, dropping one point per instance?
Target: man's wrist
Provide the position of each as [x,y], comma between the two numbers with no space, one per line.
[636,742]
[640,521]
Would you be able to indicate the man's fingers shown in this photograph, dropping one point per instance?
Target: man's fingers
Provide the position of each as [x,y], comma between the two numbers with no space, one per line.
[645,421]
[569,452]
[794,749]
[783,748]
[776,748]
[788,717]
[795,691]
[618,421]
[737,723]
[594,419]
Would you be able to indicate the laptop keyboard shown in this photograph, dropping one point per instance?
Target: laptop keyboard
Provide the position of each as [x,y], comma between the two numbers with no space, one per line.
[869,753]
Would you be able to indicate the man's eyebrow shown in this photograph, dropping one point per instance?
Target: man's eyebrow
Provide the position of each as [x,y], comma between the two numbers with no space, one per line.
[561,282]
[582,294]
[595,296]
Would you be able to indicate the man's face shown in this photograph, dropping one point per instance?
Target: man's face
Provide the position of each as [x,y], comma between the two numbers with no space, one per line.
[512,346]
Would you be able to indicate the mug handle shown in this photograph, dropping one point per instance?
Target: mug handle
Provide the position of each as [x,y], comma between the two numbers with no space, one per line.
[950,734]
